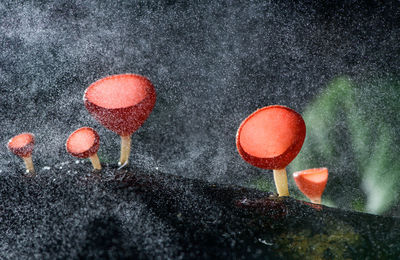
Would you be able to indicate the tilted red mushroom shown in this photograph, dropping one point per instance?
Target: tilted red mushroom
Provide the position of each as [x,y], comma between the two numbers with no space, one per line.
[121,103]
[270,138]
[312,183]
[22,145]
[84,143]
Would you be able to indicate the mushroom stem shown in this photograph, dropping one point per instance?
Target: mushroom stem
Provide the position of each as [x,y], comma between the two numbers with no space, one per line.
[125,150]
[95,161]
[281,183]
[29,164]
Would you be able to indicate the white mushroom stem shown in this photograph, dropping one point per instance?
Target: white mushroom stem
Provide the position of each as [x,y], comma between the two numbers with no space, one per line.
[95,161]
[280,178]
[125,150]
[29,164]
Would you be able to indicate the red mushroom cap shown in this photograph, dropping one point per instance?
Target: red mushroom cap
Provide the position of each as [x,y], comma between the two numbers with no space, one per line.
[22,144]
[121,102]
[271,137]
[83,143]
[312,182]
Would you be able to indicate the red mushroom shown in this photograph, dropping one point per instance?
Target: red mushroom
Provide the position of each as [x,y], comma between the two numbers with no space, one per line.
[84,143]
[121,103]
[22,145]
[270,138]
[312,183]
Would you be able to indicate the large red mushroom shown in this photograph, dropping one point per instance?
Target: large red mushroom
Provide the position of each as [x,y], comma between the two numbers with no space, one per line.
[121,103]
[270,138]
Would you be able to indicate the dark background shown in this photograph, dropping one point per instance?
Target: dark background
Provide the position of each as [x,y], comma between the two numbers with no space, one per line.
[212,64]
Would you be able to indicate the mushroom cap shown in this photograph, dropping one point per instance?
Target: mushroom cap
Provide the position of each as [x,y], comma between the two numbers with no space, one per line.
[271,137]
[121,103]
[22,144]
[83,142]
[311,182]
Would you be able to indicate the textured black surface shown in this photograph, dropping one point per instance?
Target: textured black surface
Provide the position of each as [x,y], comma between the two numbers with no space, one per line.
[132,213]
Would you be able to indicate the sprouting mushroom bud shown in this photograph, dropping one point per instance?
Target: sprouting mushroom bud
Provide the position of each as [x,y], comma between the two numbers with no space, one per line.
[270,138]
[121,103]
[22,145]
[84,143]
[312,183]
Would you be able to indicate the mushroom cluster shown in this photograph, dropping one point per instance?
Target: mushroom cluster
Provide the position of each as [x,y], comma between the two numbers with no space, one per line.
[269,138]
[121,103]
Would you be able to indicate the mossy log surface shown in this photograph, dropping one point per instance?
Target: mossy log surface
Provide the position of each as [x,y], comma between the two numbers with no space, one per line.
[134,213]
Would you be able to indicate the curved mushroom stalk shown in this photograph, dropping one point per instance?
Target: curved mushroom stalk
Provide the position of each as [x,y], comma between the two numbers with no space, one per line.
[281,183]
[312,183]
[22,145]
[121,103]
[84,143]
[125,150]
[270,138]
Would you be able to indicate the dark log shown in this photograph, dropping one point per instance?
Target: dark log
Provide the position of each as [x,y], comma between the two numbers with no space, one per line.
[133,213]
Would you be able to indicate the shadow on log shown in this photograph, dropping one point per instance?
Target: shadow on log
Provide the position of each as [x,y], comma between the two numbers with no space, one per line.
[134,213]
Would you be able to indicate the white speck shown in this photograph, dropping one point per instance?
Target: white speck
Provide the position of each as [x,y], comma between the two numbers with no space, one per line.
[265,242]
[46,168]
[156,168]
[77,161]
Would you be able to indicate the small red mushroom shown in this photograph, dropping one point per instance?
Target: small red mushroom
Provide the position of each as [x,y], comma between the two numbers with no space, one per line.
[270,138]
[22,145]
[84,143]
[312,183]
[121,103]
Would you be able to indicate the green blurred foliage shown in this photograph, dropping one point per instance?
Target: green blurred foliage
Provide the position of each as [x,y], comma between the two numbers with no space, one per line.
[337,243]
[354,130]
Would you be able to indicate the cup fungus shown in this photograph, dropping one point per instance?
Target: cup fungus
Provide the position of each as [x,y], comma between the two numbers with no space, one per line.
[22,145]
[270,138]
[312,183]
[84,143]
[121,103]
